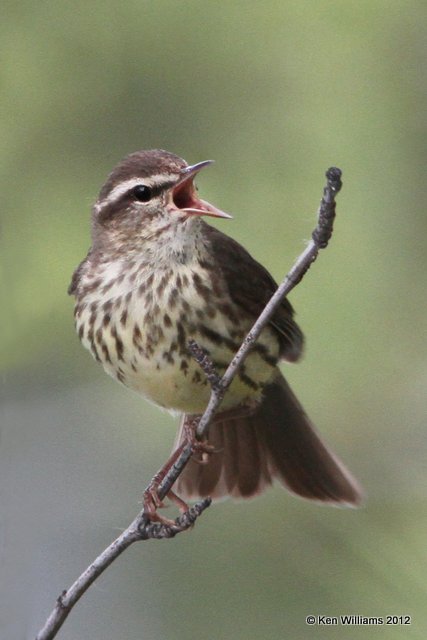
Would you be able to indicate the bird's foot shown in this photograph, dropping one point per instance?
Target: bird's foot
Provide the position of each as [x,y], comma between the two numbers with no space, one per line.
[151,499]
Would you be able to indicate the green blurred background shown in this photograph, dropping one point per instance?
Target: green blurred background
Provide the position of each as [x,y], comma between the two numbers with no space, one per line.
[275,92]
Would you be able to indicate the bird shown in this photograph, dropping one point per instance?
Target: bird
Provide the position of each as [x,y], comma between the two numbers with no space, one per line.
[158,275]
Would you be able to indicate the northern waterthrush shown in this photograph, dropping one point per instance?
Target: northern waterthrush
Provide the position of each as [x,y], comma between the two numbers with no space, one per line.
[158,275]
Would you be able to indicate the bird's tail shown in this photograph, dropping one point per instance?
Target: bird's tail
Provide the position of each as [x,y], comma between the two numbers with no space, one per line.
[277,441]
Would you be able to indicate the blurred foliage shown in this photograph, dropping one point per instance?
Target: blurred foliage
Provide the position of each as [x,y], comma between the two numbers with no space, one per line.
[275,92]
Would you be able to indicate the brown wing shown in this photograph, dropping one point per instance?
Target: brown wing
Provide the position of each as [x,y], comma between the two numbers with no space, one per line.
[251,286]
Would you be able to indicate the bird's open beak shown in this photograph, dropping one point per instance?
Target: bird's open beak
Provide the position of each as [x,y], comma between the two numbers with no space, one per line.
[184,194]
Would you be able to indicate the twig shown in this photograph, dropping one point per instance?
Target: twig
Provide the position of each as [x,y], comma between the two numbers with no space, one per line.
[205,363]
[319,240]
[140,529]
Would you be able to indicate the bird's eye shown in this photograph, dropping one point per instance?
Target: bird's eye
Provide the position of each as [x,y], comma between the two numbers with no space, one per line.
[142,193]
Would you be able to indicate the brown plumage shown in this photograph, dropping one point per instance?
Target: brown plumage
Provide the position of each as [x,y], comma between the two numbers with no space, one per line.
[158,275]
[277,442]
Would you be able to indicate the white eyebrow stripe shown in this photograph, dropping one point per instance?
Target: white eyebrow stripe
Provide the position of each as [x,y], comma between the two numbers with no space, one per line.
[125,186]
[122,188]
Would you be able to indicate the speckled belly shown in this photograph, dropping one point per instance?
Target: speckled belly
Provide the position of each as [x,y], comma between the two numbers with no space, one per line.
[141,340]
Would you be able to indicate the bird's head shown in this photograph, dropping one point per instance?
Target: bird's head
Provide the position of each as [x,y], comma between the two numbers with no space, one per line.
[148,194]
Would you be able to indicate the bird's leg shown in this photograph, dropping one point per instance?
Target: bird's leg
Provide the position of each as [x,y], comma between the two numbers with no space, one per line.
[151,500]
[201,447]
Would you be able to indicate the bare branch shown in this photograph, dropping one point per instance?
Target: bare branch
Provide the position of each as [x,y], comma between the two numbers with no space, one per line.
[320,238]
[140,528]
[205,363]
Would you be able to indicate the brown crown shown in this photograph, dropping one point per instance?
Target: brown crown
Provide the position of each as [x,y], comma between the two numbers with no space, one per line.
[143,164]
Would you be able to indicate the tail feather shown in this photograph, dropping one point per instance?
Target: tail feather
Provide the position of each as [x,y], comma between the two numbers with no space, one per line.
[248,467]
[277,441]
